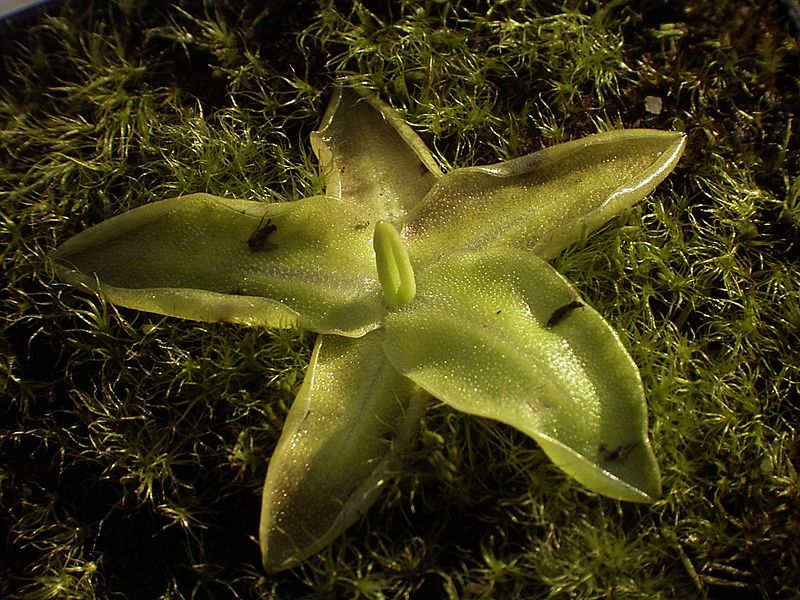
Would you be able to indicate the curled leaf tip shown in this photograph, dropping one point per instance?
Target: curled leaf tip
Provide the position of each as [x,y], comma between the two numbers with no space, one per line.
[394,266]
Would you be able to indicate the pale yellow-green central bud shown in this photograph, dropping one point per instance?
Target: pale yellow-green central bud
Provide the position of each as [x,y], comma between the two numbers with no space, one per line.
[394,267]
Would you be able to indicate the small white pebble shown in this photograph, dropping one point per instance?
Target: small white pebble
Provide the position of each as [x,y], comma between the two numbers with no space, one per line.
[653,104]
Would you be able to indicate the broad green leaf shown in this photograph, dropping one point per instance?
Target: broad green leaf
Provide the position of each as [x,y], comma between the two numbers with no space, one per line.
[308,263]
[543,201]
[501,334]
[352,416]
[371,157]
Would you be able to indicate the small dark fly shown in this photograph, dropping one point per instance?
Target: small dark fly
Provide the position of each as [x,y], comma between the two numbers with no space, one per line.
[562,312]
[259,240]
[618,454]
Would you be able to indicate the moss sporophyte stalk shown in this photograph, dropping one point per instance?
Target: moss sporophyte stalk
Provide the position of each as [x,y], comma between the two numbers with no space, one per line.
[420,284]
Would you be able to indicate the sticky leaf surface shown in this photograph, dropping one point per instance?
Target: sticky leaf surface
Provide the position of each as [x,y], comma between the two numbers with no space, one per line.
[488,335]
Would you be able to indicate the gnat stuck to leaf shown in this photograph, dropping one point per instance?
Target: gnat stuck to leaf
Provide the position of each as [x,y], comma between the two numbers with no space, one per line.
[561,313]
[259,240]
[421,284]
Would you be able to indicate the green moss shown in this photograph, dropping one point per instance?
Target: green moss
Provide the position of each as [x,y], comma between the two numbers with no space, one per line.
[133,447]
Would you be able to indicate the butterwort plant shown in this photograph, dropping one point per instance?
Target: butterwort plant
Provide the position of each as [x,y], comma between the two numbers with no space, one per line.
[420,284]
